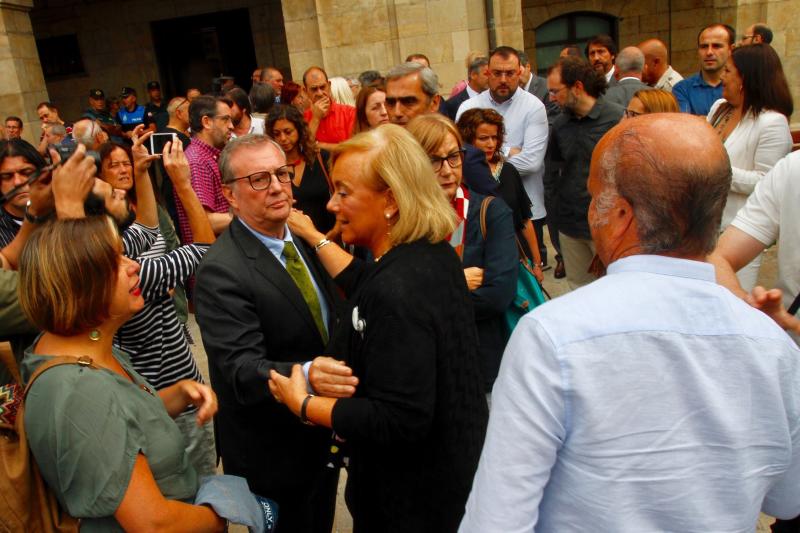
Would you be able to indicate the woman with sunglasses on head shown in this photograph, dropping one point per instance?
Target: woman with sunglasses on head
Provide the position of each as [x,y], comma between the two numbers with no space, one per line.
[490,259]
[311,185]
[752,122]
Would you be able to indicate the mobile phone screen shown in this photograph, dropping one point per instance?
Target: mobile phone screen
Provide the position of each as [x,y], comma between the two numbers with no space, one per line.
[158,140]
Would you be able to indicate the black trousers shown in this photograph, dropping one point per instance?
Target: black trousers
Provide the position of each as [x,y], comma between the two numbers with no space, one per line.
[538,227]
[786,526]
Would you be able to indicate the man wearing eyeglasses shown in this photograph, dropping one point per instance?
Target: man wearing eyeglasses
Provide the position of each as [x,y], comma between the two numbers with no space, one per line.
[525,121]
[263,302]
[578,88]
[210,119]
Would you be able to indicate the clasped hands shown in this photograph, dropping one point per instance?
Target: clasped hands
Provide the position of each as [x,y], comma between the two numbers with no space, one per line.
[326,375]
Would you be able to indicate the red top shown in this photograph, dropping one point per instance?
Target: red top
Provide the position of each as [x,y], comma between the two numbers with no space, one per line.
[337,125]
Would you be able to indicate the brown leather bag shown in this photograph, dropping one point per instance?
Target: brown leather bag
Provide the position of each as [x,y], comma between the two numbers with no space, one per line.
[26,503]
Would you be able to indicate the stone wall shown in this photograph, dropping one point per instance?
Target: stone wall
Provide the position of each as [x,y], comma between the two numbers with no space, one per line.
[642,19]
[349,38]
[117,44]
[22,85]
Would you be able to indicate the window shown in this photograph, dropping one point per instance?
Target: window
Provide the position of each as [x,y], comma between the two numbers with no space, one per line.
[60,57]
[572,28]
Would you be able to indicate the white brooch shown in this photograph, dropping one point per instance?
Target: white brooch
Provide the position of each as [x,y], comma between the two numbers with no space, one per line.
[359,324]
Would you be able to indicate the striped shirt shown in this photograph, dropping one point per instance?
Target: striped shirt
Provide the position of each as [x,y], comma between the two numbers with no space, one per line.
[154,337]
[9,227]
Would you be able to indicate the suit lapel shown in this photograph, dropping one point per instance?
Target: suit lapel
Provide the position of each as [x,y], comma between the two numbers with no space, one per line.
[271,270]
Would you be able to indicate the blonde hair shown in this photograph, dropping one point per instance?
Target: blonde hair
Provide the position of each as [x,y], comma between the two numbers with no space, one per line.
[398,163]
[432,129]
[341,92]
[657,101]
[67,274]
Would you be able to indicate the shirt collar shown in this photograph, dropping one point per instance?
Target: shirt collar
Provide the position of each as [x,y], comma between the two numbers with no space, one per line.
[610,73]
[507,102]
[206,147]
[472,93]
[663,265]
[273,244]
[699,81]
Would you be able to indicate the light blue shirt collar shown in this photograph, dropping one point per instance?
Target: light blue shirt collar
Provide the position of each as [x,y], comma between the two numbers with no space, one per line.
[273,244]
[667,266]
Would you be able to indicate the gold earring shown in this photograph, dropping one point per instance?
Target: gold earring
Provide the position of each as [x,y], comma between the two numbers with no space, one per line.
[94,335]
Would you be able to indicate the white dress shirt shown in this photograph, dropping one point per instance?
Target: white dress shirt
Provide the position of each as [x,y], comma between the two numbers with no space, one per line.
[525,122]
[610,73]
[754,146]
[772,214]
[650,400]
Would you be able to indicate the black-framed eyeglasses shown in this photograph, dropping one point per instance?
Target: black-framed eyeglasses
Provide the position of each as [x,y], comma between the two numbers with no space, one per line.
[261,181]
[554,92]
[630,114]
[454,160]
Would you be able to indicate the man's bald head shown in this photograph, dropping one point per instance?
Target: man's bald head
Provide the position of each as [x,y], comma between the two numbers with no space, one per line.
[676,192]
[656,60]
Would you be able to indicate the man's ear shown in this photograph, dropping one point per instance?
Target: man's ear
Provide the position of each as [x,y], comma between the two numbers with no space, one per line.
[206,121]
[622,213]
[227,192]
[435,103]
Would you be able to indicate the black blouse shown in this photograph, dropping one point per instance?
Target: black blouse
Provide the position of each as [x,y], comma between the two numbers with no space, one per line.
[313,194]
[417,421]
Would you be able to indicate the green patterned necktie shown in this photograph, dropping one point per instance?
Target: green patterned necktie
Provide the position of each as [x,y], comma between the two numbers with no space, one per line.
[301,277]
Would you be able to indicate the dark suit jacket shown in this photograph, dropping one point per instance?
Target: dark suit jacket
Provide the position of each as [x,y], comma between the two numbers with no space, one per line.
[451,105]
[623,91]
[253,319]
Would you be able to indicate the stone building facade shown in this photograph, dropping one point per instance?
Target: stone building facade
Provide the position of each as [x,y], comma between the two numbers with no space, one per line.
[118,40]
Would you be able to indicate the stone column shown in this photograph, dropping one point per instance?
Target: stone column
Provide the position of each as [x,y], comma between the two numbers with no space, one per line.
[21,80]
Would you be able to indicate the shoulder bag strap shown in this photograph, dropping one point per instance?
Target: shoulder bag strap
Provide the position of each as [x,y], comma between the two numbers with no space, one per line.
[795,305]
[58,361]
[325,172]
[484,208]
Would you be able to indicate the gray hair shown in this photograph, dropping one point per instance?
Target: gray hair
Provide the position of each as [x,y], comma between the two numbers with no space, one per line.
[677,202]
[251,140]
[58,129]
[430,81]
[630,59]
[84,131]
[478,63]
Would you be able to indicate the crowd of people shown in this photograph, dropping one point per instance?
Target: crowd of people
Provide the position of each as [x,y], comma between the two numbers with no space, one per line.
[350,248]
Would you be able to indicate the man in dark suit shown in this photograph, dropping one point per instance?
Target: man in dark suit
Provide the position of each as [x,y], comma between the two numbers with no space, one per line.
[629,68]
[263,302]
[477,82]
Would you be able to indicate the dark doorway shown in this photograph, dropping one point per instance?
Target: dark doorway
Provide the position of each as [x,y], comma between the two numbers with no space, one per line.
[191,51]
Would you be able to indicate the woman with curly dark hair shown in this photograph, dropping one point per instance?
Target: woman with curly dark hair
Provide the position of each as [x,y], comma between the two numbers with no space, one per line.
[311,185]
[484,129]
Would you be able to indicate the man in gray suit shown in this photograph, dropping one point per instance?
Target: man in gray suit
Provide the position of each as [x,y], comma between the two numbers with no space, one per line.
[629,67]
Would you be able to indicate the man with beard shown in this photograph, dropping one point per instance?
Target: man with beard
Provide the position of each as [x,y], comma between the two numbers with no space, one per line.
[601,51]
[211,122]
[525,121]
[577,87]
